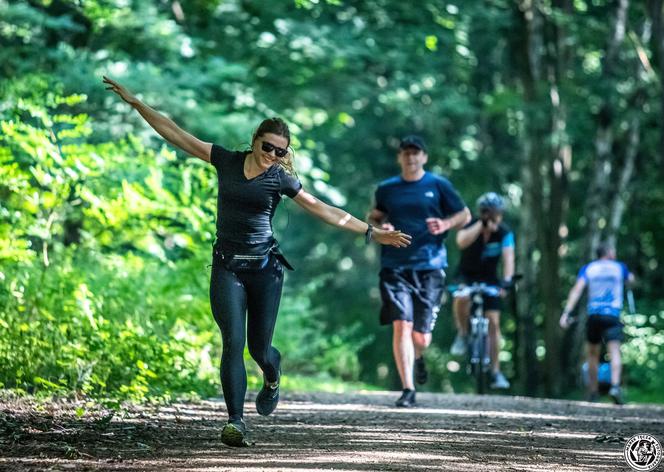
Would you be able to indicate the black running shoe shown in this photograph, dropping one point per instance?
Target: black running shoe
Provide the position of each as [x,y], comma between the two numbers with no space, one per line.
[267,398]
[407,398]
[234,434]
[421,374]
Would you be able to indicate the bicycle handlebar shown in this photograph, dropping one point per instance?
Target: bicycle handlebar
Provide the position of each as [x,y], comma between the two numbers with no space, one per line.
[484,288]
[472,289]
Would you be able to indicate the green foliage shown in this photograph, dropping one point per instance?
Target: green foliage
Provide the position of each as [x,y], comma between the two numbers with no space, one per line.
[106,287]
[643,353]
[80,311]
[105,326]
[301,335]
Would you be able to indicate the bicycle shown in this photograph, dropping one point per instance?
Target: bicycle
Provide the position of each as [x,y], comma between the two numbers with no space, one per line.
[478,347]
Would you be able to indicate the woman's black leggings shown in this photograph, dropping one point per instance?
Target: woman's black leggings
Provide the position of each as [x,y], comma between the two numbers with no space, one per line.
[232,296]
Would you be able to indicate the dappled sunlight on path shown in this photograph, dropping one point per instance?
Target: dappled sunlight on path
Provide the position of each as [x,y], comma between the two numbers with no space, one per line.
[349,432]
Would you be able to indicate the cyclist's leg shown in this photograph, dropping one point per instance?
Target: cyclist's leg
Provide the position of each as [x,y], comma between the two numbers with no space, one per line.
[461,308]
[495,338]
[492,306]
[263,297]
[228,301]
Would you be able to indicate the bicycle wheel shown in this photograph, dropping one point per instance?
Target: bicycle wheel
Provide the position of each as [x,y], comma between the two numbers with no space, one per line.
[480,374]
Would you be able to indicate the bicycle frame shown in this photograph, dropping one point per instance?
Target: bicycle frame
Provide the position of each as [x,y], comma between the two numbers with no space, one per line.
[479,360]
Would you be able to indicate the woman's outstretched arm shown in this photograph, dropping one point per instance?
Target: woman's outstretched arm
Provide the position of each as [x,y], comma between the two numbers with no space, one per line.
[342,219]
[163,125]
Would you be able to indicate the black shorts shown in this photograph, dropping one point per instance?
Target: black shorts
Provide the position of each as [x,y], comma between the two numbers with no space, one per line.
[604,328]
[491,303]
[411,295]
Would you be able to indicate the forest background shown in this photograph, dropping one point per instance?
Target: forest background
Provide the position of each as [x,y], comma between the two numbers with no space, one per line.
[106,231]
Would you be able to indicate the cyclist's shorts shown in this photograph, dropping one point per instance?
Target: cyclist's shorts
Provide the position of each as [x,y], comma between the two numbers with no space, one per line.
[604,328]
[490,302]
[411,295]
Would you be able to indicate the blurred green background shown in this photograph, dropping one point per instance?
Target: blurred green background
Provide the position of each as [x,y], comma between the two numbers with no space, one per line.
[106,232]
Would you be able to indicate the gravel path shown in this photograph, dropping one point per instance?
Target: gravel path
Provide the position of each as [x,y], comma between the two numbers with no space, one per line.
[348,432]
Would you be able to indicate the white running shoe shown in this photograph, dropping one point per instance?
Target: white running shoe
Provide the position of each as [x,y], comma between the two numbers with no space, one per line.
[459,346]
[499,381]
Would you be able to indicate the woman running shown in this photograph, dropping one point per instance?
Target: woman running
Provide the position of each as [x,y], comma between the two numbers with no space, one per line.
[247,267]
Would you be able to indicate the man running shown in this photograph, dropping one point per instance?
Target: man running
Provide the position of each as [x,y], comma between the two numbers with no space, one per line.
[484,242]
[605,278]
[412,280]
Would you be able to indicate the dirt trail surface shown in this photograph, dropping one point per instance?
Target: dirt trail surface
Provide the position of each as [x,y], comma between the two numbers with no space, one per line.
[348,432]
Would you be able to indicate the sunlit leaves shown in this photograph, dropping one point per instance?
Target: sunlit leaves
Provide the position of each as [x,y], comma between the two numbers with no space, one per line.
[431,43]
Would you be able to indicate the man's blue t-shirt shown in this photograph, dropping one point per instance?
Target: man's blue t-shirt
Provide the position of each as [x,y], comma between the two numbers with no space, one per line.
[407,206]
[605,279]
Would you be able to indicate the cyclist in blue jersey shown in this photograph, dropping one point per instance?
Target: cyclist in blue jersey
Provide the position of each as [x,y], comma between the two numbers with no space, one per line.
[412,279]
[605,279]
[484,242]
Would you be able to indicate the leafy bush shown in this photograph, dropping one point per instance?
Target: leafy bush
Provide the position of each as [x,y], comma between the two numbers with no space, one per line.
[643,354]
[306,346]
[107,326]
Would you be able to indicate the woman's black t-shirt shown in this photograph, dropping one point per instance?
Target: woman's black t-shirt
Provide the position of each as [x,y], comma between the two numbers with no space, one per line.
[245,207]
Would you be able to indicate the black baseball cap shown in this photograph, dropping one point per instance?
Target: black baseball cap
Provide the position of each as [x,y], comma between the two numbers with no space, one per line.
[412,140]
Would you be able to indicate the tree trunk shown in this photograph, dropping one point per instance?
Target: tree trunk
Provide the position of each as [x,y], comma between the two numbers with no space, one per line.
[528,63]
[656,8]
[598,192]
[622,195]
[553,228]
[526,248]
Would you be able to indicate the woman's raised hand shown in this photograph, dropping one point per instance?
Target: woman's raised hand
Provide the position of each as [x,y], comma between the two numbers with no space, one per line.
[124,94]
[391,237]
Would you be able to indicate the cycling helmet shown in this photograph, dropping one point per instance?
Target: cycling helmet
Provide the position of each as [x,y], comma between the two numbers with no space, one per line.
[491,201]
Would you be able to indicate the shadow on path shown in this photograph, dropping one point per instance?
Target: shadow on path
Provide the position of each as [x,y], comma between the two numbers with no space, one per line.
[349,432]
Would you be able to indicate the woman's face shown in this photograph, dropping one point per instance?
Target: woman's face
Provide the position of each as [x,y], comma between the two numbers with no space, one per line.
[270,148]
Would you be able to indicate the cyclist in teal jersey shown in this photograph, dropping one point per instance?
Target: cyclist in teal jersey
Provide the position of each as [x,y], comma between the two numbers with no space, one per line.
[484,243]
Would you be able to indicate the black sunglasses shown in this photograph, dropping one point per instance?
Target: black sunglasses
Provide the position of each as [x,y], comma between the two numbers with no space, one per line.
[269,147]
